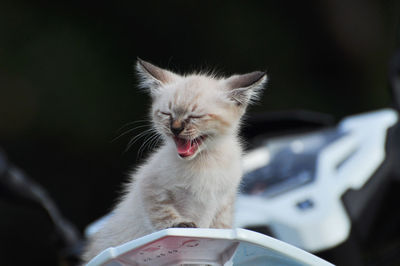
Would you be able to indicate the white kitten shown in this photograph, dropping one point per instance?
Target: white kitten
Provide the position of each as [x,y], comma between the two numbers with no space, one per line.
[192,179]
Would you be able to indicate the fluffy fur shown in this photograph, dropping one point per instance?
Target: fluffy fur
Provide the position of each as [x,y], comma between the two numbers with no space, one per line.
[192,179]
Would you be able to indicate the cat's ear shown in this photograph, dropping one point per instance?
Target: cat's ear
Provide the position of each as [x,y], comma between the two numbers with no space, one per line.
[153,77]
[243,89]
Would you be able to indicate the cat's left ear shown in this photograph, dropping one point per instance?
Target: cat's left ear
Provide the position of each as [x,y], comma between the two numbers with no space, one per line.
[153,77]
[243,89]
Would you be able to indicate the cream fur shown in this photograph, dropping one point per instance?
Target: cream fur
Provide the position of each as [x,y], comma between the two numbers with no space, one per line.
[168,190]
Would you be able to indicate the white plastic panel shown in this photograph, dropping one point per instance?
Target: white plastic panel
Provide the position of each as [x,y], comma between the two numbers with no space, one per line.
[177,246]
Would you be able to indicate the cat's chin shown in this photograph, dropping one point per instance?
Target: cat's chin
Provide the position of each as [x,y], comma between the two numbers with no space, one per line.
[188,148]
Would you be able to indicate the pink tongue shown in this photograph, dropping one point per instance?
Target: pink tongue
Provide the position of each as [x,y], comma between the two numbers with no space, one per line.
[184,147]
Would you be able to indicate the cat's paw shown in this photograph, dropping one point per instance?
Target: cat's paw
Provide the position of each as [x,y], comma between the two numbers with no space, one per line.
[185,225]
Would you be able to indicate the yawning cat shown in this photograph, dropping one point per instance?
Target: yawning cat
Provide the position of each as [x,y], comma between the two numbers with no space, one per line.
[192,179]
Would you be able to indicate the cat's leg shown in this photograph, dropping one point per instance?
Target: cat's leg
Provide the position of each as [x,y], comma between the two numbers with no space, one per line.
[163,214]
[224,216]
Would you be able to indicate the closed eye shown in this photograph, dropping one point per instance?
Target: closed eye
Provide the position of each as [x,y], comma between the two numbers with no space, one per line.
[165,113]
[196,116]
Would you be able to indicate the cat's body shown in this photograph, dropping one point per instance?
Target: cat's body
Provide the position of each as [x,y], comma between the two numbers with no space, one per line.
[192,179]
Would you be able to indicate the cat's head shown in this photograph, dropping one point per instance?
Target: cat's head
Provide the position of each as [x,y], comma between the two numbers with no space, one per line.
[195,111]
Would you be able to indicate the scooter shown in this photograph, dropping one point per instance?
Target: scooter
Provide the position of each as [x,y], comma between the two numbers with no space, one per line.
[314,188]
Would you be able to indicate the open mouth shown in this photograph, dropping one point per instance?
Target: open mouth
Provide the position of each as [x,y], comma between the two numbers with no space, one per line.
[188,147]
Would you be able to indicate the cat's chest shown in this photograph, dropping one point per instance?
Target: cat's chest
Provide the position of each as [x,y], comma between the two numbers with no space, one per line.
[208,186]
[205,179]
[200,205]
[212,178]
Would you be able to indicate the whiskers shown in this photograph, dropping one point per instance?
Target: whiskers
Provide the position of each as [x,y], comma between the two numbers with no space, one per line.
[149,136]
[152,141]
[122,131]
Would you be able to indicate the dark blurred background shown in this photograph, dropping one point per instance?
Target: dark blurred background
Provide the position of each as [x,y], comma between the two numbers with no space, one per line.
[67,84]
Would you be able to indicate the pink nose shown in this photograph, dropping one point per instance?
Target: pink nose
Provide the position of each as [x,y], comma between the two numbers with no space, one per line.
[177,127]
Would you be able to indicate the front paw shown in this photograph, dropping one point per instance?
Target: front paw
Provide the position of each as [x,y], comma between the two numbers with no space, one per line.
[185,225]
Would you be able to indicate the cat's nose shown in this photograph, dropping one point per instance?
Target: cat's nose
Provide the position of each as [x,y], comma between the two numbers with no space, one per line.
[177,127]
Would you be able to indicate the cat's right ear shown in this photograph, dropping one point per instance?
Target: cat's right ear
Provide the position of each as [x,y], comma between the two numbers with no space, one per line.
[243,89]
[152,77]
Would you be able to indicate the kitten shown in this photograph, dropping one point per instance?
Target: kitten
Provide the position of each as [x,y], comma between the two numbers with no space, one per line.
[192,179]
